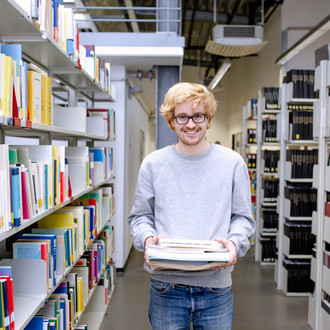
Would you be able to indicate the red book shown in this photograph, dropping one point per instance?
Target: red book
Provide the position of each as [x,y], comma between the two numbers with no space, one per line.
[62,186]
[26,197]
[14,105]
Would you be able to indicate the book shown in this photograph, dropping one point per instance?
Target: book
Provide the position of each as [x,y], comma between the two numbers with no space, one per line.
[205,245]
[190,255]
[34,96]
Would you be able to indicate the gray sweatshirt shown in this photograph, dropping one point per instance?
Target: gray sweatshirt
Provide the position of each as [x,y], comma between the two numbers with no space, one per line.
[193,197]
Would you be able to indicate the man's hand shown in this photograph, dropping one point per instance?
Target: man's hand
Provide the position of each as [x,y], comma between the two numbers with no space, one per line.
[231,247]
[147,243]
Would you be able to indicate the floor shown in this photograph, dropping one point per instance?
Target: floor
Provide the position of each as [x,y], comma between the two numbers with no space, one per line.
[258,303]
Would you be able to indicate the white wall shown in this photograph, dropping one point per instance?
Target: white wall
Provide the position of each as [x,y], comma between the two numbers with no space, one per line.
[138,120]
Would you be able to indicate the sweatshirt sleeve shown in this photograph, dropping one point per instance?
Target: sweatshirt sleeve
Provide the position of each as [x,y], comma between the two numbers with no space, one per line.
[242,224]
[141,219]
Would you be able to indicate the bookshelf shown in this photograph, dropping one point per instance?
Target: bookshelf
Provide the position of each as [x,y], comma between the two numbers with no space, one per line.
[267,180]
[30,288]
[296,195]
[318,303]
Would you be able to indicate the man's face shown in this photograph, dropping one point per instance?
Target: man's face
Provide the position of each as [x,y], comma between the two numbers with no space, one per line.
[190,133]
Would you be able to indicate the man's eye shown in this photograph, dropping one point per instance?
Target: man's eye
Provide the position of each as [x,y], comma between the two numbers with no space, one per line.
[182,117]
[198,116]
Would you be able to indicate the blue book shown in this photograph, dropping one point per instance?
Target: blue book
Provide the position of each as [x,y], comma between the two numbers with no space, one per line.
[52,238]
[91,209]
[16,196]
[52,325]
[6,270]
[36,323]
[62,306]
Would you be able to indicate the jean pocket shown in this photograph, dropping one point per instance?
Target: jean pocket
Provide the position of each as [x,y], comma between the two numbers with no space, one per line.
[160,287]
[220,291]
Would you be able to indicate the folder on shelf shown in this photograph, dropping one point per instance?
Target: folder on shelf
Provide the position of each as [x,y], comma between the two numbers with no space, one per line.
[57,220]
[32,250]
[53,246]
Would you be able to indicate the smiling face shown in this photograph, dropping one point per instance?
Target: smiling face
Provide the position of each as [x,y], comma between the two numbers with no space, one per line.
[191,135]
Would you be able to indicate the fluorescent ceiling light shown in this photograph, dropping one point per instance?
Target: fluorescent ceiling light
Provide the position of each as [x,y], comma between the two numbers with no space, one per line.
[314,34]
[139,51]
[220,73]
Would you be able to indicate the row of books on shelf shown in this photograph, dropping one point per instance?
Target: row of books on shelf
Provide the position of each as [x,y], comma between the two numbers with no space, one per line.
[27,94]
[57,21]
[268,249]
[326,258]
[302,83]
[34,179]
[270,220]
[302,198]
[251,135]
[46,243]
[302,162]
[271,158]
[272,98]
[270,188]
[269,130]
[300,125]
[7,310]
[301,238]
[327,208]
[251,160]
[252,108]
[298,275]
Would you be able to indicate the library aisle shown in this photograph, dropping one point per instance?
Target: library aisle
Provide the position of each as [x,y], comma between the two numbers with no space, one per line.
[258,303]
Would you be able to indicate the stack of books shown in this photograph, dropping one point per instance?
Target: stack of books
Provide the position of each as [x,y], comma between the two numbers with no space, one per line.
[184,254]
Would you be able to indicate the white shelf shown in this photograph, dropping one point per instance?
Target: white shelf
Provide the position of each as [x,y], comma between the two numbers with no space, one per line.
[43,50]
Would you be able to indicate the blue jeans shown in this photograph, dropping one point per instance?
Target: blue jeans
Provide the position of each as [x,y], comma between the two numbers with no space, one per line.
[173,307]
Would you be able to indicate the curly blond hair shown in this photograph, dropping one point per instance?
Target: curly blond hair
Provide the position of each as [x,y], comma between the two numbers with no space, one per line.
[185,92]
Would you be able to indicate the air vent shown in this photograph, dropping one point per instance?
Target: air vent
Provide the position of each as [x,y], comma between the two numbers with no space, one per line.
[238,35]
[240,32]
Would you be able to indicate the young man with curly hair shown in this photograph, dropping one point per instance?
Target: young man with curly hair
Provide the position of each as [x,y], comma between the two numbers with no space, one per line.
[192,190]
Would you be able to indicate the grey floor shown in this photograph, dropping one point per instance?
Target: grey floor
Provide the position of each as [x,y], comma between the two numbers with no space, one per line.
[258,303]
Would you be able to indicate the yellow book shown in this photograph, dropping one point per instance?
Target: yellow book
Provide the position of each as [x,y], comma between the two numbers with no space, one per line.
[80,295]
[8,85]
[34,96]
[2,67]
[43,99]
[66,220]
[48,101]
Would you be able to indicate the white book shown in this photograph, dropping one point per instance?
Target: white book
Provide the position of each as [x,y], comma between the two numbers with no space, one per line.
[208,245]
[5,196]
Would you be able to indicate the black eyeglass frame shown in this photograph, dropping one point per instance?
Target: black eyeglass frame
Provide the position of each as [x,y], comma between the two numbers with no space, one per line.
[192,118]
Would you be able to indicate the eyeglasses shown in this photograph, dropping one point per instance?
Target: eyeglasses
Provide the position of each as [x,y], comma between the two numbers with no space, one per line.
[197,118]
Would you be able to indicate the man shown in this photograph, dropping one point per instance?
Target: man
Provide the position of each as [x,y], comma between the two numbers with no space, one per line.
[192,190]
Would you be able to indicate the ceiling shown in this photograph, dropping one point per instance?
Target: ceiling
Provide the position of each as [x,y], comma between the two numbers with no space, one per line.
[198,20]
